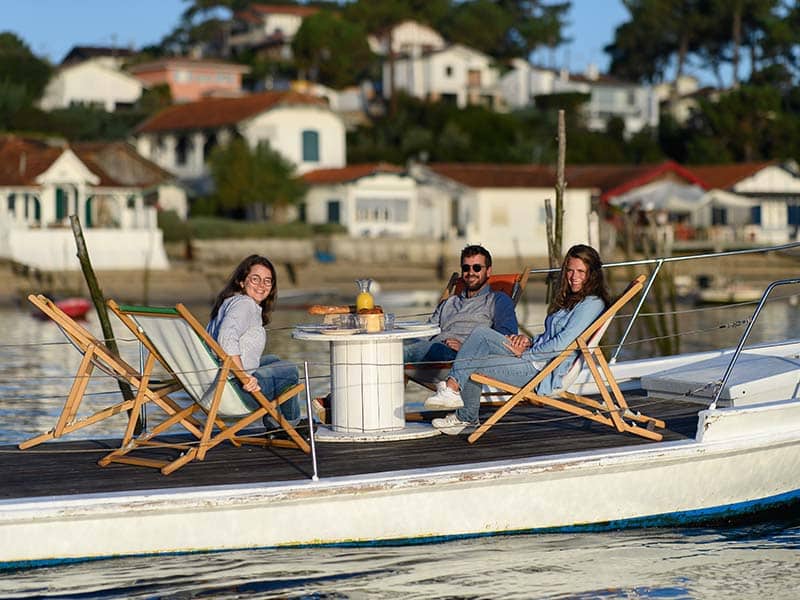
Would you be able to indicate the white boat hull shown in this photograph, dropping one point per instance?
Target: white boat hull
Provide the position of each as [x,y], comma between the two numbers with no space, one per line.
[742,460]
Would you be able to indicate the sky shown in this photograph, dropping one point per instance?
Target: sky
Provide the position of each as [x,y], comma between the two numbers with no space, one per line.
[52,27]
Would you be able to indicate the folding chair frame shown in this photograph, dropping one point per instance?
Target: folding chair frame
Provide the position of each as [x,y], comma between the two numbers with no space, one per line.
[96,355]
[612,411]
[207,438]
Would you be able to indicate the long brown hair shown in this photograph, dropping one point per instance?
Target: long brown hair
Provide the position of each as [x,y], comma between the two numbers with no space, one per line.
[595,282]
[235,285]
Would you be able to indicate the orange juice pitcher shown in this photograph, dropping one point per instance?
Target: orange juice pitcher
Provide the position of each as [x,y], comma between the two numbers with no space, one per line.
[364,298]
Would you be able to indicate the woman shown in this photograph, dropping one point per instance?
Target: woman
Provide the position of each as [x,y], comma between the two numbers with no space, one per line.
[581,297]
[238,317]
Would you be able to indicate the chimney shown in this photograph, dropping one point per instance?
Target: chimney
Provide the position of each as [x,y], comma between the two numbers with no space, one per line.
[591,72]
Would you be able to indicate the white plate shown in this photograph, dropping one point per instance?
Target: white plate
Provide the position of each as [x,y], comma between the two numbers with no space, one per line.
[411,326]
[314,328]
[341,331]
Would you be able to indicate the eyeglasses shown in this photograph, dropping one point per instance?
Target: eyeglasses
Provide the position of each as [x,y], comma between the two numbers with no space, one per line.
[477,268]
[257,281]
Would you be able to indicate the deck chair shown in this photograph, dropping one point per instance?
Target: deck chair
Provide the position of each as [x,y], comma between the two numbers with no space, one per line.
[512,284]
[95,356]
[612,411]
[177,340]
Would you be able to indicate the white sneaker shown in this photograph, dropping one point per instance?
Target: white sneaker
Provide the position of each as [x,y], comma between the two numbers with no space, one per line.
[452,425]
[444,398]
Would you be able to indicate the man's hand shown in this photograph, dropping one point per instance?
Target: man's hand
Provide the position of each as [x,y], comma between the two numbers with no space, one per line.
[453,344]
[517,344]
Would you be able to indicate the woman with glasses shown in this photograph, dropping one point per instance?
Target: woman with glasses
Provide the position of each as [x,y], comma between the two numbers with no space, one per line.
[240,312]
[581,298]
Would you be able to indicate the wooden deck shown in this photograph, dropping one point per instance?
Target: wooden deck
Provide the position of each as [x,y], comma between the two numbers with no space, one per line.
[69,467]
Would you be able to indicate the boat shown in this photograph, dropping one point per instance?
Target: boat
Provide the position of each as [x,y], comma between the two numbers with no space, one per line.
[731,447]
[74,307]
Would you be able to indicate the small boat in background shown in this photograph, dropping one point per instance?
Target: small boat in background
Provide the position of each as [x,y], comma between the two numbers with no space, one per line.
[75,307]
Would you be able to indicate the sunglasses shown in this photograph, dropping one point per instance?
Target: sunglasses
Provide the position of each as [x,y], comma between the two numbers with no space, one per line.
[476,268]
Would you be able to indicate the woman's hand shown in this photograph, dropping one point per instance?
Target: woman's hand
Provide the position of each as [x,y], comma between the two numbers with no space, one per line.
[251,385]
[517,344]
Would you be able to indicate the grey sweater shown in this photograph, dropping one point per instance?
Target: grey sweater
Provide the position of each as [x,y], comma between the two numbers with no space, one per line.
[458,315]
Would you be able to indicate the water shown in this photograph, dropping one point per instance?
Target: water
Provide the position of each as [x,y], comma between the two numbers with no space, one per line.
[733,561]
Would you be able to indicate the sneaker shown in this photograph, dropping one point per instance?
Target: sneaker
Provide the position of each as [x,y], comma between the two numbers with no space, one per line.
[444,398]
[452,425]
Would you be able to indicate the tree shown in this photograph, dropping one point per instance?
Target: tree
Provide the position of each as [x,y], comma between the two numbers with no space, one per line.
[22,72]
[331,50]
[257,183]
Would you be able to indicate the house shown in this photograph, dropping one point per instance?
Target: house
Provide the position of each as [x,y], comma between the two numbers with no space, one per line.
[370,200]
[189,79]
[503,206]
[773,188]
[456,74]
[637,105]
[114,192]
[92,82]
[302,128]
[108,55]
[408,38]
[267,29]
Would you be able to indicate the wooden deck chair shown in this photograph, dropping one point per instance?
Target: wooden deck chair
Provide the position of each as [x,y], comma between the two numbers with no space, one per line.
[177,340]
[95,355]
[612,411]
[512,284]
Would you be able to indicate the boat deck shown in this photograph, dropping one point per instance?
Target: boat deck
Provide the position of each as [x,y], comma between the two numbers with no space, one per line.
[65,468]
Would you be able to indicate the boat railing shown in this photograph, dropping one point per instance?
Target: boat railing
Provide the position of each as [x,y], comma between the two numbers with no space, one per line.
[746,333]
[656,264]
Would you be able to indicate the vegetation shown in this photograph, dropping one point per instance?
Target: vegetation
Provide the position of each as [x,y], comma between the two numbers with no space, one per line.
[211,228]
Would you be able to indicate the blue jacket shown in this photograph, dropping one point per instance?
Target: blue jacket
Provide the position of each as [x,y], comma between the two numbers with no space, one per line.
[560,329]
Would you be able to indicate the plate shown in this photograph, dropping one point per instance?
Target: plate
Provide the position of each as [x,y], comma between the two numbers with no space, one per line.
[314,328]
[411,325]
[341,331]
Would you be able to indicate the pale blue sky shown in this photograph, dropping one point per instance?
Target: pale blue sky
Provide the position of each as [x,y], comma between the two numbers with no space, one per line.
[52,27]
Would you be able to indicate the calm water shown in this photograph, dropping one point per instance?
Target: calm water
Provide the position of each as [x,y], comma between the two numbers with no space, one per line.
[733,561]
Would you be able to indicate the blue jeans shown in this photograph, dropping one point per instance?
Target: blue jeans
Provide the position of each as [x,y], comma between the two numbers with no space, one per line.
[422,351]
[274,376]
[483,352]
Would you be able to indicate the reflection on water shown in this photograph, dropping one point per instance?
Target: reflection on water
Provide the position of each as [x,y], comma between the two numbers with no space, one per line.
[741,562]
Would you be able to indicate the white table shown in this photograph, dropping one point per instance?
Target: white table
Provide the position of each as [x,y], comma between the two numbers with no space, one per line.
[367,384]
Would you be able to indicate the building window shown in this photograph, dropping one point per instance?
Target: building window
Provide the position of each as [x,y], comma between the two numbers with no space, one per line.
[382,210]
[448,71]
[755,215]
[719,215]
[11,202]
[793,214]
[310,146]
[334,212]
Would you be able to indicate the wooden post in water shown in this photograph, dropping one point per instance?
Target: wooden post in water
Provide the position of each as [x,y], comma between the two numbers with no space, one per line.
[555,222]
[99,302]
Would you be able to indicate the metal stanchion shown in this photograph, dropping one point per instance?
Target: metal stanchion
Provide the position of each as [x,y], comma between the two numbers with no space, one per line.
[310,415]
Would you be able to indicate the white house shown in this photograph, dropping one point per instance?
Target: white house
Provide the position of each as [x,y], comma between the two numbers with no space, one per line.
[500,206]
[637,105]
[269,27]
[94,82]
[407,37]
[301,127]
[370,200]
[455,74]
[776,217]
[113,191]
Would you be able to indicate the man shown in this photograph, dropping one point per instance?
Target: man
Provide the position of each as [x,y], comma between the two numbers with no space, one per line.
[477,304]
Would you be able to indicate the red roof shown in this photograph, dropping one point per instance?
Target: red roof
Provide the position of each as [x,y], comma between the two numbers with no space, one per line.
[617,180]
[351,173]
[496,175]
[726,176]
[116,164]
[216,112]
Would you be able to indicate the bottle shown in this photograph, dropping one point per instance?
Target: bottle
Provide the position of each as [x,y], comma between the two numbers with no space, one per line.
[364,298]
